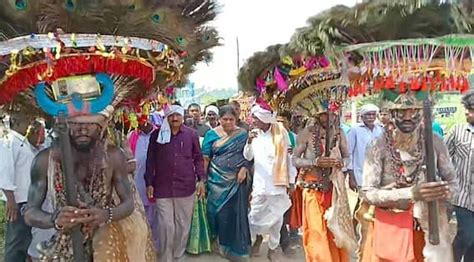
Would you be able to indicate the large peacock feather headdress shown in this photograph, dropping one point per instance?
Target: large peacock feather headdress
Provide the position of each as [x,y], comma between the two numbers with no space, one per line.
[293,81]
[142,46]
[396,45]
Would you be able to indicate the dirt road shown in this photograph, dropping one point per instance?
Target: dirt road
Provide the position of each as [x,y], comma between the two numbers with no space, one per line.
[298,257]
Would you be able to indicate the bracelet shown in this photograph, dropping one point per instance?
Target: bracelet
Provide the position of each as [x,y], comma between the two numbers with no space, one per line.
[58,227]
[54,220]
[111,215]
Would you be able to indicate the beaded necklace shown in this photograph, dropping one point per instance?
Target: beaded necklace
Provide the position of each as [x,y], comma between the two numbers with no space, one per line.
[318,147]
[398,165]
[93,192]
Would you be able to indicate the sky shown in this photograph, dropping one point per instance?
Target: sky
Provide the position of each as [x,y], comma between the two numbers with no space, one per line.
[257,24]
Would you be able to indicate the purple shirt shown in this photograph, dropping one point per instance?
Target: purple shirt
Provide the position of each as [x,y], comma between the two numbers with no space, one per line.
[173,169]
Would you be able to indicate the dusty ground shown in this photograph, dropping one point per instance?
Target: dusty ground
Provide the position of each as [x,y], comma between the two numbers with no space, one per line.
[299,256]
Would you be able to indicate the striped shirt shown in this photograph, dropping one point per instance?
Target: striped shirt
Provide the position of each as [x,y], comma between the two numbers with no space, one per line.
[461,150]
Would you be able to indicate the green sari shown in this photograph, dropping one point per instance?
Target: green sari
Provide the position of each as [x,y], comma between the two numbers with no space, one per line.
[227,201]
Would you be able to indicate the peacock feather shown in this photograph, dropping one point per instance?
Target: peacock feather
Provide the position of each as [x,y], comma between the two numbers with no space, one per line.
[369,21]
[182,25]
[18,17]
[256,64]
[379,20]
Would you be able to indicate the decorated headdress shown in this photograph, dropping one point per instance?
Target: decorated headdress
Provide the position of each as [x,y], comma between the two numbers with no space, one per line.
[86,55]
[413,67]
[292,83]
[406,100]
[406,53]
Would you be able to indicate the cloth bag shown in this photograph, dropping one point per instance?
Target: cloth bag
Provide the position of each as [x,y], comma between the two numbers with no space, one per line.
[199,237]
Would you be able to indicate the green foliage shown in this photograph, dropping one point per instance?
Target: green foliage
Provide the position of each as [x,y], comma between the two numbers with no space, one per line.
[375,99]
[215,95]
[380,20]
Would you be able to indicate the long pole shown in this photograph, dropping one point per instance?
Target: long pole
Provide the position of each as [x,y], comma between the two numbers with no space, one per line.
[433,226]
[70,181]
[238,54]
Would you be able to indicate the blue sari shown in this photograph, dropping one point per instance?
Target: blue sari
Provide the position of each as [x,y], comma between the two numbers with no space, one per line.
[227,202]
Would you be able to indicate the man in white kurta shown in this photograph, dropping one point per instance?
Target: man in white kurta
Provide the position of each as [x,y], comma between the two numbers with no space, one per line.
[17,152]
[268,147]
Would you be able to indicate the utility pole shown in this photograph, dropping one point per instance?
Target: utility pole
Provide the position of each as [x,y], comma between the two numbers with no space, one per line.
[238,62]
[238,54]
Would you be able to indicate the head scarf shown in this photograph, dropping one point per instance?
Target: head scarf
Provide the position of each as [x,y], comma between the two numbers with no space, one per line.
[368,108]
[281,142]
[164,136]
[264,115]
[212,109]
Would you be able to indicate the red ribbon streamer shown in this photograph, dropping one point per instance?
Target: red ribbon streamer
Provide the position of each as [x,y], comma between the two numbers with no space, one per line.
[71,66]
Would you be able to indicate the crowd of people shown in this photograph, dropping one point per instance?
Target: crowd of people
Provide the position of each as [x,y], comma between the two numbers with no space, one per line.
[267,179]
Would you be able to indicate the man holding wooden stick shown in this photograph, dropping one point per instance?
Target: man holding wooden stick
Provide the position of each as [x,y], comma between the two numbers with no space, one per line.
[321,153]
[395,183]
[98,169]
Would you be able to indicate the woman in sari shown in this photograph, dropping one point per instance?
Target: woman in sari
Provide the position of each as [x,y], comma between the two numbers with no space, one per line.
[227,186]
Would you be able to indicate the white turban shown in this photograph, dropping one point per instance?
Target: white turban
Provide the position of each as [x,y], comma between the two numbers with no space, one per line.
[164,136]
[266,116]
[212,109]
[368,108]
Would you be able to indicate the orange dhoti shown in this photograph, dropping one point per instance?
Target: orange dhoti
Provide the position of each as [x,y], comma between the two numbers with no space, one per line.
[394,243]
[318,241]
[296,210]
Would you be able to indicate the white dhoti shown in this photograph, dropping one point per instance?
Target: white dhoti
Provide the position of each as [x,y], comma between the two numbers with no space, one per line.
[266,216]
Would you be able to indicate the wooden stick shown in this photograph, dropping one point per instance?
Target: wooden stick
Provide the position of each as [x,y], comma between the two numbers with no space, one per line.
[430,172]
[70,181]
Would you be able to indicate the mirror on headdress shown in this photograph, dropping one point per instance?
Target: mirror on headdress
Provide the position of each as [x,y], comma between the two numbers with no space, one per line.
[86,85]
